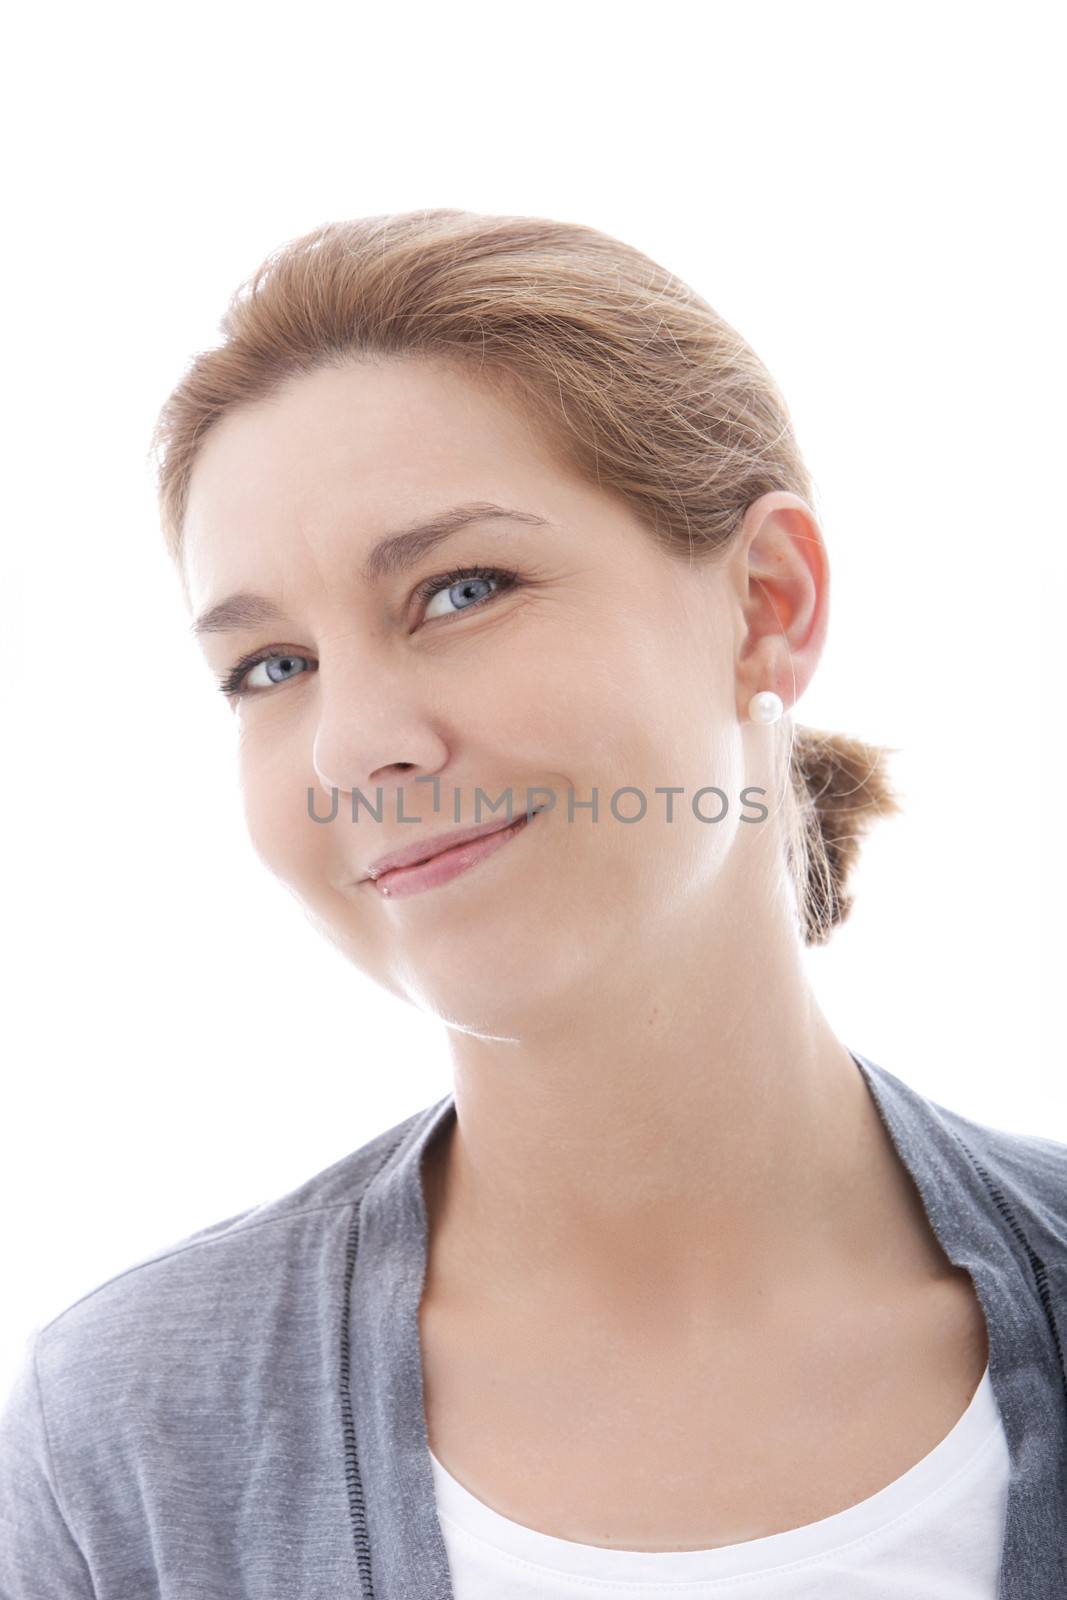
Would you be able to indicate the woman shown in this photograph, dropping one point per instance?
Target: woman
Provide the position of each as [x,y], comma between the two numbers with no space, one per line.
[674,1289]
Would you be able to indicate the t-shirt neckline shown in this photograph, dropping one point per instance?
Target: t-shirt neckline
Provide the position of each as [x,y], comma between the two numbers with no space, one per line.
[966,1440]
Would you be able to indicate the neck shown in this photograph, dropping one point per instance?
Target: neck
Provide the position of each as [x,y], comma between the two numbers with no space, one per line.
[693,1133]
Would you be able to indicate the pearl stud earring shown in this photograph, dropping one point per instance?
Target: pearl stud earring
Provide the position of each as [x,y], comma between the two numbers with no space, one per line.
[765,706]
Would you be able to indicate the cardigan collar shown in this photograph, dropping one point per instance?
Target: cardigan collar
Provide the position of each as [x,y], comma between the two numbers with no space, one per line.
[978,1216]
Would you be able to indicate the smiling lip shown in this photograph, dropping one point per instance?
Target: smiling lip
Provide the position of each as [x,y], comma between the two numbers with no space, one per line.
[426,849]
[448,863]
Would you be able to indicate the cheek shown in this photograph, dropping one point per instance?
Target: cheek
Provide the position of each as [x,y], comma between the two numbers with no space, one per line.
[666,732]
[274,797]
[675,740]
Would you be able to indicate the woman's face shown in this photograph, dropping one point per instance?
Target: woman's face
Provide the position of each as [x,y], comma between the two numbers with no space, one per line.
[591,661]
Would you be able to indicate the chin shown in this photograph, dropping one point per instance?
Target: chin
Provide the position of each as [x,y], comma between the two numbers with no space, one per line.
[509,999]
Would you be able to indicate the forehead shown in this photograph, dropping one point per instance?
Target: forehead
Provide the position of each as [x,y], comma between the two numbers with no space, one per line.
[359,447]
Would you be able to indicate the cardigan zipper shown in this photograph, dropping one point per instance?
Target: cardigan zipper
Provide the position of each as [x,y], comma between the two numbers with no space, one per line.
[353,1477]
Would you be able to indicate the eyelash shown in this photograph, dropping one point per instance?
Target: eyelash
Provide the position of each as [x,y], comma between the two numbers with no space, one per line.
[230,684]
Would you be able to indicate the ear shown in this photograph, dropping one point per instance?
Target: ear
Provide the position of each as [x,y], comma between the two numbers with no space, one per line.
[782,579]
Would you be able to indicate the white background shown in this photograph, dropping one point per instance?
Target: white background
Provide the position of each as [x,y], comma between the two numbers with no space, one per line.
[868,193]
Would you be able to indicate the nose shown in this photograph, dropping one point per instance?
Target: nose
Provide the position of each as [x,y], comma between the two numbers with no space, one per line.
[372,732]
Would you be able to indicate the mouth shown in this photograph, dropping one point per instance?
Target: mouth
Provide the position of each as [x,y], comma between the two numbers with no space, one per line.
[448,864]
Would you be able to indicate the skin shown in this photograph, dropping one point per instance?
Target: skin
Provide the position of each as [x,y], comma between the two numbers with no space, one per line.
[658,1134]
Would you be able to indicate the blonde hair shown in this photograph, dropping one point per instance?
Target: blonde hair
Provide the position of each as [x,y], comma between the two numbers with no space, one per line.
[634,379]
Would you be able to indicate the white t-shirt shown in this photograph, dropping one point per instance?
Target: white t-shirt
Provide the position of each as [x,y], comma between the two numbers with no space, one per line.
[933,1534]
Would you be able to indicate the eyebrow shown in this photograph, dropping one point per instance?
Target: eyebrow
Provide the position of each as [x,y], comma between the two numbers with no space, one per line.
[391,555]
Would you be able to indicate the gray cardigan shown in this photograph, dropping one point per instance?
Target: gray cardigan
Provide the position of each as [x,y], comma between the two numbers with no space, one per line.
[240,1417]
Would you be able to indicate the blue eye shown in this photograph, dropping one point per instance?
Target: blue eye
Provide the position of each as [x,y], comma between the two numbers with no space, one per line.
[465,580]
[234,685]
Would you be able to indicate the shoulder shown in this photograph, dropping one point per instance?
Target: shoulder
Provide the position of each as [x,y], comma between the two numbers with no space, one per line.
[156,1392]
[1019,1177]
[1023,1172]
[176,1325]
